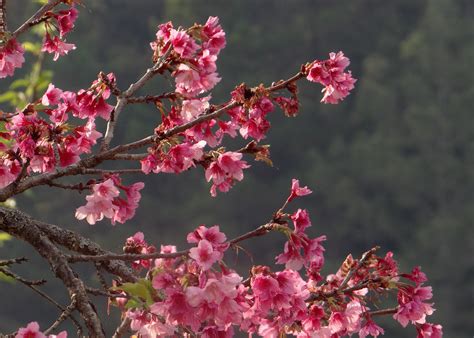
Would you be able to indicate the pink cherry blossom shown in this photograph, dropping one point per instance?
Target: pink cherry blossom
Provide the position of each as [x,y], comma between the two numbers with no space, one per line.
[192,108]
[205,255]
[301,221]
[213,36]
[52,96]
[428,330]
[227,168]
[96,209]
[213,235]
[56,46]
[370,329]
[297,191]
[183,44]
[11,57]
[8,172]
[66,20]
[104,202]
[32,331]
[91,105]
[126,207]
[179,158]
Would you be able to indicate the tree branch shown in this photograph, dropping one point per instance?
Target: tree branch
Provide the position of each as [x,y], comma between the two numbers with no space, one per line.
[36,17]
[108,154]
[261,230]
[122,99]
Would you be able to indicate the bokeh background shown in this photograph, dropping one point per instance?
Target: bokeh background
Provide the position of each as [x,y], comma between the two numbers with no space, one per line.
[393,165]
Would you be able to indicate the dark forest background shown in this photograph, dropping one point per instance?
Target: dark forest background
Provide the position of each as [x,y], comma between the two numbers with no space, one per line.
[393,165]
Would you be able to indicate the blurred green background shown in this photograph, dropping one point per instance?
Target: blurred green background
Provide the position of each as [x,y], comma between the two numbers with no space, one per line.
[392,165]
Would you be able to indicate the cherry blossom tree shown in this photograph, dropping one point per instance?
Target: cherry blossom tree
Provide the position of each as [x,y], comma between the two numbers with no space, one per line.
[188,292]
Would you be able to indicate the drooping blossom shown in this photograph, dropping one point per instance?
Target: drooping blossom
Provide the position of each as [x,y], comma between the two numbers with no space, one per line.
[66,19]
[126,207]
[11,57]
[370,329]
[57,46]
[105,202]
[191,82]
[99,203]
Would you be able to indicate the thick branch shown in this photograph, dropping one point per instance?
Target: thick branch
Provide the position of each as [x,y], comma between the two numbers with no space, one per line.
[26,229]
[75,242]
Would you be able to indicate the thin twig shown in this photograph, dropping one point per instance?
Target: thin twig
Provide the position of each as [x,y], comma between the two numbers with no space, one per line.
[78,186]
[63,316]
[13,261]
[122,99]
[98,292]
[384,312]
[152,98]
[111,171]
[130,157]
[21,279]
[122,328]
[36,17]
[100,276]
[49,299]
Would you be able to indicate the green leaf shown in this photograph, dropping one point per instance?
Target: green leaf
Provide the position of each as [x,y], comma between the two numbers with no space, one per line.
[9,96]
[5,278]
[33,48]
[141,290]
[20,83]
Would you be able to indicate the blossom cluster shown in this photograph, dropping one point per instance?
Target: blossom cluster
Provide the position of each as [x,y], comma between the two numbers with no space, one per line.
[40,137]
[197,293]
[105,201]
[11,57]
[191,58]
[330,73]
[194,292]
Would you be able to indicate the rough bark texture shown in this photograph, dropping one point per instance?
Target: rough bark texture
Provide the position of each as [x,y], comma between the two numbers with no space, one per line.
[46,239]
